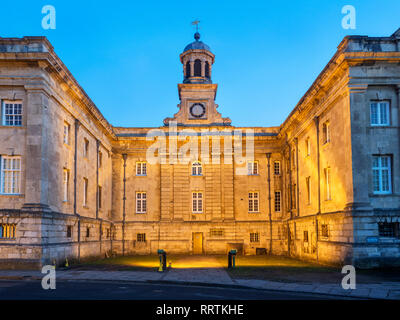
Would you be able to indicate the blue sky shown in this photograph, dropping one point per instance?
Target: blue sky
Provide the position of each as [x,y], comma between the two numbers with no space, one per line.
[125,54]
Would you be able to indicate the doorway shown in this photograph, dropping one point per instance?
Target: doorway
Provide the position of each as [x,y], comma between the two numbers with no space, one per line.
[197,243]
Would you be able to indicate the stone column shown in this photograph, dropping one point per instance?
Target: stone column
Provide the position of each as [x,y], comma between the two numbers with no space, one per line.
[191,68]
[36,156]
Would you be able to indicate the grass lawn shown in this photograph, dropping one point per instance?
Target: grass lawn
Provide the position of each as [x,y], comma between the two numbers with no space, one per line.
[133,263]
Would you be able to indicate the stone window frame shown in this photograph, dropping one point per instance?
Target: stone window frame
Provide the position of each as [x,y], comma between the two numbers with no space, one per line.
[254,202]
[254,237]
[66,133]
[17,117]
[380,168]
[141,202]
[252,168]
[324,230]
[305,236]
[308,189]
[8,231]
[197,202]
[66,176]
[328,183]
[141,168]
[379,104]
[85,148]
[141,237]
[15,172]
[100,196]
[326,132]
[85,192]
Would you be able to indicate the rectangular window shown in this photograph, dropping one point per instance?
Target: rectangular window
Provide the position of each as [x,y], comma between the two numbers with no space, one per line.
[389,229]
[65,184]
[308,147]
[252,167]
[100,189]
[324,231]
[12,113]
[85,191]
[197,202]
[7,231]
[326,135]
[69,231]
[141,168]
[277,168]
[87,232]
[216,232]
[308,188]
[253,202]
[277,202]
[85,148]
[66,133]
[305,236]
[141,237]
[328,193]
[141,202]
[10,175]
[381,174]
[254,237]
[380,114]
[197,169]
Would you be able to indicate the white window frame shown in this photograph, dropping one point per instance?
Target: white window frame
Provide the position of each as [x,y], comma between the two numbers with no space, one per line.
[254,202]
[141,168]
[308,147]
[141,202]
[326,133]
[13,115]
[197,168]
[277,164]
[197,202]
[278,201]
[380,169]
[65,185]
[252,168]
[379,106]
[10,173]
[85,191]
[66,133]
[328,184]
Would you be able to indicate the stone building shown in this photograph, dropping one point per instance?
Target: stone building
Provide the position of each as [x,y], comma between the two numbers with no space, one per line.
[323,186]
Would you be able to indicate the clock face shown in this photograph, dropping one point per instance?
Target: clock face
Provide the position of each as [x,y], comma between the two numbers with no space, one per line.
[197,110]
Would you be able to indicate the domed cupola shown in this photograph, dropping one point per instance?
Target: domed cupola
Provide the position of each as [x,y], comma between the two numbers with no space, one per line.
[197,61]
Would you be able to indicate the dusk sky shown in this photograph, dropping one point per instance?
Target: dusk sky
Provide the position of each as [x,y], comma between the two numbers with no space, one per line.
[125,54]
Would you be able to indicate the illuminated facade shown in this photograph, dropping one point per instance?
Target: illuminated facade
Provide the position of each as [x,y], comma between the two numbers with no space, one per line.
[323,186]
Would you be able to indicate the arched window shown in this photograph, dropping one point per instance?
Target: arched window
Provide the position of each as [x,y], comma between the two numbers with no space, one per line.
[188,69]
[197,68]
[197,168]
[207,70]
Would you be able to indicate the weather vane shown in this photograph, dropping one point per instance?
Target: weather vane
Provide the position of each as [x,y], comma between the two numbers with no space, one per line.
[196,23]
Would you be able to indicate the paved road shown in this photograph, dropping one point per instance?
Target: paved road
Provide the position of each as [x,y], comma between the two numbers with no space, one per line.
[96,290]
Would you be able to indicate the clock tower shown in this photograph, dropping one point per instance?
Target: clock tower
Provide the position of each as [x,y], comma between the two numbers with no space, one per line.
[197,93]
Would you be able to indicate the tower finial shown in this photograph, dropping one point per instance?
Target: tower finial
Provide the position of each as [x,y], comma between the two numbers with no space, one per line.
[197,34]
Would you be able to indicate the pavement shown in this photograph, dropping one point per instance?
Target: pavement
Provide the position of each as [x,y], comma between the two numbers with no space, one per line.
[209,272]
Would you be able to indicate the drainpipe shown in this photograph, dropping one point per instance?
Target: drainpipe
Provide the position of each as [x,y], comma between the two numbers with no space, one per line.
[316,120]
[77,124]
[124,156]
[269,202]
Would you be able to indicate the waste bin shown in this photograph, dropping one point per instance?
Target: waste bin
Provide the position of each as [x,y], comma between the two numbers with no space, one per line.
[231,258]
[162,256]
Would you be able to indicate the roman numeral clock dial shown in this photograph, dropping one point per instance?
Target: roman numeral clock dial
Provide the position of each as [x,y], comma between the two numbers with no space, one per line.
[197,110]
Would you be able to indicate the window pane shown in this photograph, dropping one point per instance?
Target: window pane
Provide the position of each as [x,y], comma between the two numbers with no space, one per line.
[374,113]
